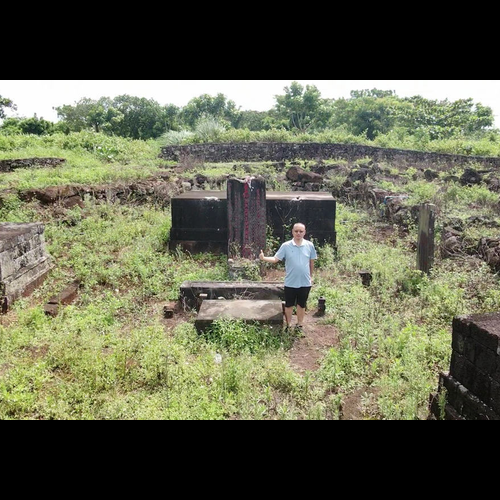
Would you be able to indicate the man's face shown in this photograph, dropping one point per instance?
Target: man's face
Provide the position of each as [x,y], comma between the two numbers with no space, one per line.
[298,232]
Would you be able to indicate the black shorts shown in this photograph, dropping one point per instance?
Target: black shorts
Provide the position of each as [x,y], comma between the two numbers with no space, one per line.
[296,296]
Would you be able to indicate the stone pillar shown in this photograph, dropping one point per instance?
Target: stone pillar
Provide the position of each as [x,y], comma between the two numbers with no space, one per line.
[425,244]
[247,218]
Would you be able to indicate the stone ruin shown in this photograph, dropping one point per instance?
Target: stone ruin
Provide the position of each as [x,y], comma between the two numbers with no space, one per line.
[470,390]
[24,261]
[222,221]
[236,223]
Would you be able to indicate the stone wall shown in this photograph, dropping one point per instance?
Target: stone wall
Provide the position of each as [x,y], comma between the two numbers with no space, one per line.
[282,151]
[24,261]
[12,164]
[471,388]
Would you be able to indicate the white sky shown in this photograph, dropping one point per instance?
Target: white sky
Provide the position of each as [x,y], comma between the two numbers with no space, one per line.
[40,96]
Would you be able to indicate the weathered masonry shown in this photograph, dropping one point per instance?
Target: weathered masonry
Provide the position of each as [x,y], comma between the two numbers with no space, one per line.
[24,261]
[11,164]
[471,388]
[200,218]
[285,151]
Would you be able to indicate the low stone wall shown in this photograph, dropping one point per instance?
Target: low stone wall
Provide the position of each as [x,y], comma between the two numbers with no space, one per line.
[12,164]
[24,261]
[471,388]
[282,151]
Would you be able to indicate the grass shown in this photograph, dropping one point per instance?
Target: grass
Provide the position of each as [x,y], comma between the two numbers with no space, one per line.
[110,355]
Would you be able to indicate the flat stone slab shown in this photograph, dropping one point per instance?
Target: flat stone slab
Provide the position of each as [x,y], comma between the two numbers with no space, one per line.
[232,290]
[268,312]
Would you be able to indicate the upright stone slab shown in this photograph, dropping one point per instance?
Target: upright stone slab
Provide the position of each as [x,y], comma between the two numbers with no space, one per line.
[24,261]
[199,222]
[314,209]
[425,244]
[246,214]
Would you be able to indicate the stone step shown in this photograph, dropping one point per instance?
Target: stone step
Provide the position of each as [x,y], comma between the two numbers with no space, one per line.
[266,312]
[190,291]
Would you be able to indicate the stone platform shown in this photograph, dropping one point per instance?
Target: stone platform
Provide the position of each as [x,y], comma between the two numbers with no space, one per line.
[267,312]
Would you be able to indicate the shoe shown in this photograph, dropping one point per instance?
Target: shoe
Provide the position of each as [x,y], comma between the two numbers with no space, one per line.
[287,330]
[299,331]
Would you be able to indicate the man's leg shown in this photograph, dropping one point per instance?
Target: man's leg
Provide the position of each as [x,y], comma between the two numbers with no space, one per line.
[288,315]
[302,297]
[301,312]
[290,298]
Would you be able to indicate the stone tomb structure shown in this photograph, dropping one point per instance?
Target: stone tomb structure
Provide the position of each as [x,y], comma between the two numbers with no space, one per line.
[470,390]
[235,223]
[24,261]
[200,219]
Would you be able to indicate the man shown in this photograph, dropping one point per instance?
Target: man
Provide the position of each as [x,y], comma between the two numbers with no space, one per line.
[299,255]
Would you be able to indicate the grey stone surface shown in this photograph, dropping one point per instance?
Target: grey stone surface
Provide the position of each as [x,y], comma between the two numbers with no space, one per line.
[269,312]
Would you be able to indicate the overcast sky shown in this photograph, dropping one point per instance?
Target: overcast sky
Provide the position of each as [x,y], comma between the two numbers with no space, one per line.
[41,96]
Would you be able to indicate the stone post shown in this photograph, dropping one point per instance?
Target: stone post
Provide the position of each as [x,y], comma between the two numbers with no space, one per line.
[247,217]
[425,246]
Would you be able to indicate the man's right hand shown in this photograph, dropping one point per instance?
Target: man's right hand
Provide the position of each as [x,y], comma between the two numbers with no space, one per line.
[261,255]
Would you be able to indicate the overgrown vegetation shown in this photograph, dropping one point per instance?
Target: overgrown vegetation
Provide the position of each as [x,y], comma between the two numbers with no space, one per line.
[111,355]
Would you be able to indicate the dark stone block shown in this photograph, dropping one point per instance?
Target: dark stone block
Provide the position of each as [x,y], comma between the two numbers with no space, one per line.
[460,324]
[494,401]
[485,329]
[495,374]
[67,296]
[484,359]
[315,209]
[457,366]
[199,209]
[51,309]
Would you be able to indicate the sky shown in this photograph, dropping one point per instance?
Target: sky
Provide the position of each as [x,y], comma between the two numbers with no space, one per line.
[41,96]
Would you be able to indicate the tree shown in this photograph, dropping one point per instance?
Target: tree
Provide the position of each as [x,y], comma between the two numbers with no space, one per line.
[143,118]
[444,119]
[367,112]
[205,105]
[253,120]
[34,125]
[302,109]
[6,103]
[88,114]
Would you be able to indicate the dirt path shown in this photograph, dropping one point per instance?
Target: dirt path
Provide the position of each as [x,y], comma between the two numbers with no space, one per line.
[309,349]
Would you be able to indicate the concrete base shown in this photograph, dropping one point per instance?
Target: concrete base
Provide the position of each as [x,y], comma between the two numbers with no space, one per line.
[267,312]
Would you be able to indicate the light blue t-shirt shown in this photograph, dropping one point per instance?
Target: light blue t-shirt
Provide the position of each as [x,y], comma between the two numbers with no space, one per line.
[297,270]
